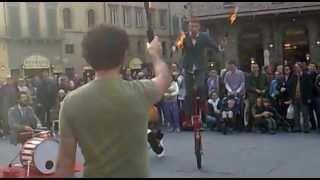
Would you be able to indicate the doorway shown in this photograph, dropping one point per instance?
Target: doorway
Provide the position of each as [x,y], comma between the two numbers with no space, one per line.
[250,49]
[296,45]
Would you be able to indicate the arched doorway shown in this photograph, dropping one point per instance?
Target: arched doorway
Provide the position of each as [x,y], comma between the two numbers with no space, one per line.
[295,44]
[250,48]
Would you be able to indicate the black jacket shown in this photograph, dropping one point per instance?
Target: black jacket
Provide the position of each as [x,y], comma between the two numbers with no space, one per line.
[306,86]
[47,93]
[194,54]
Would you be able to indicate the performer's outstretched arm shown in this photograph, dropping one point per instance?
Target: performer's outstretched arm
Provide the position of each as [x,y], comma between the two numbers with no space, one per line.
[162,76]
[212,43]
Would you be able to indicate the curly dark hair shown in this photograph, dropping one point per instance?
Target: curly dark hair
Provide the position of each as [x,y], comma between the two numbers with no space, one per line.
[104,47]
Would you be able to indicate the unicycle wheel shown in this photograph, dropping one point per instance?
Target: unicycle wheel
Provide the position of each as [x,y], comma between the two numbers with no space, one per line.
[198,156]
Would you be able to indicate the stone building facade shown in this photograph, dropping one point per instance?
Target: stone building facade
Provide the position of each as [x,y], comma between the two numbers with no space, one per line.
[51,32]
[265,32]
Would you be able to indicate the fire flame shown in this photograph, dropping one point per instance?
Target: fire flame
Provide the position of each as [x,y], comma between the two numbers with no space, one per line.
[233,16]
[179,42]
[151,7]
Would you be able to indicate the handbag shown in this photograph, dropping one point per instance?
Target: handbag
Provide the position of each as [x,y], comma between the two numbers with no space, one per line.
[290,112]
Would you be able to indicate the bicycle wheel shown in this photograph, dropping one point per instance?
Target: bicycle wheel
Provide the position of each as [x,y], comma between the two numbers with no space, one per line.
[198,154]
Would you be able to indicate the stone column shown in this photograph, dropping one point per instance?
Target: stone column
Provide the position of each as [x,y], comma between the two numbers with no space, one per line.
[267,40]
[278,35]
[313,35]
[24,19]
[43,20]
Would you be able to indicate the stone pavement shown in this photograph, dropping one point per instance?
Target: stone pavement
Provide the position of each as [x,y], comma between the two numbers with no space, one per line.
[236,155]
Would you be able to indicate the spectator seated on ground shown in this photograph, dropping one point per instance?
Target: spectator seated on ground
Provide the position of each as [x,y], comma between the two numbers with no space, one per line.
[214,111]
[279,121]
[229,113]
[263,117]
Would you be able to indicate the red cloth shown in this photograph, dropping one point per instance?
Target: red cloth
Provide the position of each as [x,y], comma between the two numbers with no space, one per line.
[20,172]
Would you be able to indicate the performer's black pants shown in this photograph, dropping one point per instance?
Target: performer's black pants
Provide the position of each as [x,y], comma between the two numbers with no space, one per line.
[197,80]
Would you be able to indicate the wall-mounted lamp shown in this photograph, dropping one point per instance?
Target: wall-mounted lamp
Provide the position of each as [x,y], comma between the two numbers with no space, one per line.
[308,57]
[318,43]
[271,45]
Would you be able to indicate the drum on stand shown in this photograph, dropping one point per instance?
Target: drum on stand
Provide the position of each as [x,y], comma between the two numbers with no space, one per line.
[40,153]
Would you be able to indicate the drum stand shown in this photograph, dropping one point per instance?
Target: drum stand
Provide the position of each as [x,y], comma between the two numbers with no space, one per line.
[28,168]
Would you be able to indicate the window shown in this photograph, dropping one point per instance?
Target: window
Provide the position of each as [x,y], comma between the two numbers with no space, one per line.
[67,18]
[163,18]
[91,18]
[139,17]
[69,49]
[126,16]
[164,49]
[113,14]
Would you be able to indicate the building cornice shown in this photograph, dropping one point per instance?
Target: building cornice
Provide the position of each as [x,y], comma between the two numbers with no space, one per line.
[261,12]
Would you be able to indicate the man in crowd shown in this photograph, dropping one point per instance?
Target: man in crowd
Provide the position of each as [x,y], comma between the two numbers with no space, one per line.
[312,72]
[300,91]
[317,99]
[8,98]
[213,81]
[234,81]
[21,117]
[256,87]
[46,95]
[112,132]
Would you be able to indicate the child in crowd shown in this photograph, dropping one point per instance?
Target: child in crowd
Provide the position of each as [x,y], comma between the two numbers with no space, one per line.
[230,110]
[214,114]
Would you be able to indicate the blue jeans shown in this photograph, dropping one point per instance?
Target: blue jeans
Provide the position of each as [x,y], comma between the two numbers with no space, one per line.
[171,113]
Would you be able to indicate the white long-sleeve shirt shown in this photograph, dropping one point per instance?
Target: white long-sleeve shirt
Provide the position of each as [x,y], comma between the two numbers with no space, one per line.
[172,92]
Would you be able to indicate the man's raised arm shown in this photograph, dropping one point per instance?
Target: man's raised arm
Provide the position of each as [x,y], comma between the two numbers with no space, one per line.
[162,77]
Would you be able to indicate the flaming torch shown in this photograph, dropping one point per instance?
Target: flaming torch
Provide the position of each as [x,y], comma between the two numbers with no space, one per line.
[233,16]
[150,34]
[179,42]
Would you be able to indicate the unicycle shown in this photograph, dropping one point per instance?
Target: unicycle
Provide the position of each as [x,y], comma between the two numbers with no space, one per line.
[196,121]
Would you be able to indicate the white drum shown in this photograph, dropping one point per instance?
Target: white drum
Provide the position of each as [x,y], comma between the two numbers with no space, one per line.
[41,154]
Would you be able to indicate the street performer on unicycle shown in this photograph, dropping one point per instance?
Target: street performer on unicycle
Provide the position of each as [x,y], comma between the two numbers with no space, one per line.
[193,44]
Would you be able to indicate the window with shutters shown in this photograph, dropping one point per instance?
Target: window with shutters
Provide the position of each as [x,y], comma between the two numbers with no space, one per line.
[126,16]
[113,14]
[139,17]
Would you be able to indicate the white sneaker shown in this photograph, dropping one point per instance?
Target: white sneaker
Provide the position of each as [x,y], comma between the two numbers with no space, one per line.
[161,155]
[161,143]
